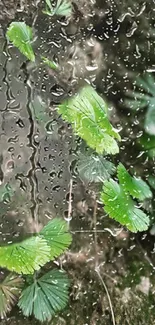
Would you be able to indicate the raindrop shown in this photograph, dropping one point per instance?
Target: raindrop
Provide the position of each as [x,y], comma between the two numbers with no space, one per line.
[53,174]
[50,126]
[57,91]
[56,188]
[10,165]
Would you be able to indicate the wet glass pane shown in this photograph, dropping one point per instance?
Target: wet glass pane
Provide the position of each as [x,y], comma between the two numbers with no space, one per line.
[77,154]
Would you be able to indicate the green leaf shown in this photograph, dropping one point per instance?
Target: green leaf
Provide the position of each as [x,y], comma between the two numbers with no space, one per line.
[135,186]
[51,64]
[25,257]
[149,124]
[147,141]
[46,296]
[62,8]
[88,114]
[95,168]
[147,83]
[6,192]
[148,144]
[151,181]
[57,236]
[120,206]
[48,3]
[39,110]
[21,36]
[144,99]
[10,289]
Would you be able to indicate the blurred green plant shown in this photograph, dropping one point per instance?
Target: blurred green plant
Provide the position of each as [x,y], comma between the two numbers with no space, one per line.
[88,114]
[147,143]
[94,168]
[6,192]
[118,203]
[62,8]
[10,290]
[28,256]
[51,64]
[45,295]
[21,36]
[144,97]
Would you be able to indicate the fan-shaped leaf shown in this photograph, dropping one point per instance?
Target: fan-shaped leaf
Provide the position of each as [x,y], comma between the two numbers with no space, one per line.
[26,256]
[120,206]
[148,144]
[57,236]
[149,124]
[45,296]
[135,186]
[10,290]
[95,168]
[62,8]
[21,36]
[151,180]
[88,114]
[144,99]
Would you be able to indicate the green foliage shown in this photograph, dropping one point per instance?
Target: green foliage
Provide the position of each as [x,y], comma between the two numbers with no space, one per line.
[119,204]
[151,181]
[148,144]
[39,110]
[95,168]
[10,289]
[57,236]
[135,186]
[143,99]
[6,192]
[45,296]
[87,112]
[48,294]
[51,64]
[29,255]
[21,36]
[25,257]
[62,8]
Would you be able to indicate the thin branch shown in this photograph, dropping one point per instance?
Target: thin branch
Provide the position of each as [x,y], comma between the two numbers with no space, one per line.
[70,199]
[106,290]
[98,231]
[69,217]
[97,261]
[95,233]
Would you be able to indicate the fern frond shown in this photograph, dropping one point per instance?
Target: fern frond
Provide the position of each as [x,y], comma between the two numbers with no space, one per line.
[45,296]
[21,36]
[87,112]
